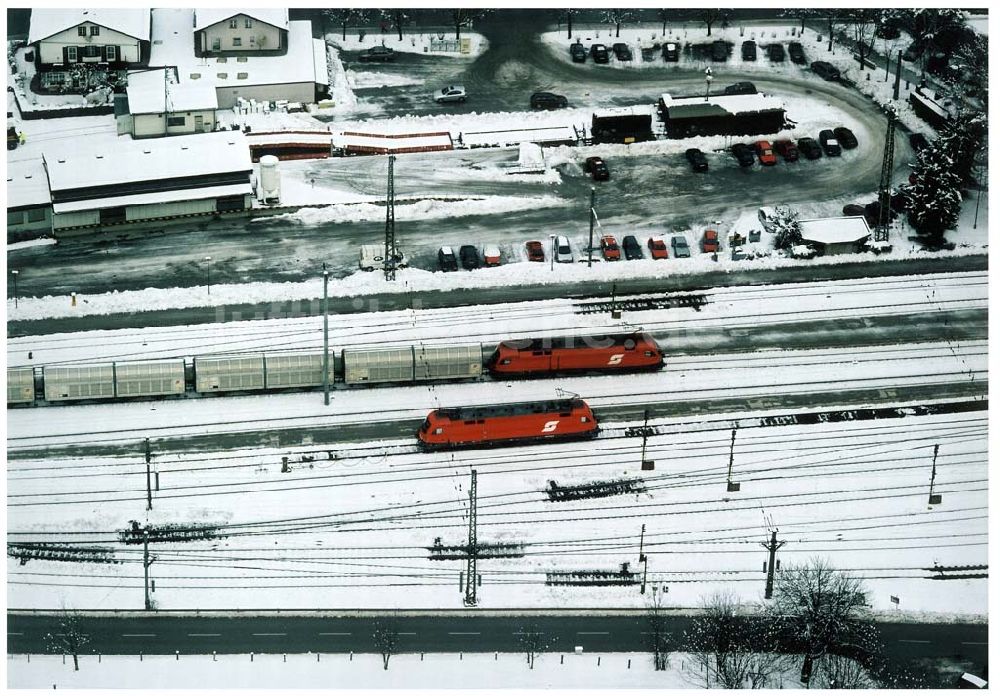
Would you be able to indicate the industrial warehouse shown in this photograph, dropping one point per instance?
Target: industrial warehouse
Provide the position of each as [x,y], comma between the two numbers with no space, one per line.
[737,114]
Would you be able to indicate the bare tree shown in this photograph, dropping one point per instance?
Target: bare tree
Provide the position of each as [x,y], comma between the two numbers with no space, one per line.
[618,16]
[386,639]
[532,642]
[710,17]
[69,639]
[399,17]
[804,13]
[464,18]
[840,672]
[569,13]
[347,16]
[659,637]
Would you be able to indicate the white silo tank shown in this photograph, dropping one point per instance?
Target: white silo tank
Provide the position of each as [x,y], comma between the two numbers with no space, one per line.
[270,179]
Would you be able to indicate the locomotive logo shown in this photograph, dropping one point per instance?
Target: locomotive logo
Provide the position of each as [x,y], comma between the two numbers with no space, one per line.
[550,427]
[616,359]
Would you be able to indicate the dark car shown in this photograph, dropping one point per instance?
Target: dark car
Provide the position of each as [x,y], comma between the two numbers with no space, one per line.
[697,158]
[828,141]
[853,210]
[648,54]
[597,168]
[796,53]
[671,52]
[918,141]
[787,149]
[578,52]
[845,137]
[743,154]
[599,52]
[740,88]
[548,100]
[446,259]
[720,51]
[810,148]
[749,50]
[825,70]
[776,52]
[632,248]
[377,54]
[469,256]
[622,52]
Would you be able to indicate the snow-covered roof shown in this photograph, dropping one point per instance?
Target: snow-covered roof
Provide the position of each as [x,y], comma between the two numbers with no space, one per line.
[624,111]
[299,64]
[154,197]
[446,250]
[27,184]
[834,230]
[46,22]
[698,107]
[413,142]
[141,160]
[206,17]
[157,92]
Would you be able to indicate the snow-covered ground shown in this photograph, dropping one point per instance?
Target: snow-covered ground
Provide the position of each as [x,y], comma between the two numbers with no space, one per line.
[413,41]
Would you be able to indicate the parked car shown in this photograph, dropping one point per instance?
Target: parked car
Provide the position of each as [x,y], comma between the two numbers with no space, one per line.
[599,52]
[491,255]
[825,70]
[548,100]
[845,137]
[563,252]
[609,248]
[469,256]
[918,141]
[787,149]
[451,93]
[749,50]
[648,54]
[578,52]
[657,248]
[13,139]
[828,141]
[743,154]
[697,158]
[710,242]
[740,88]
[765,153]
[632,249]
[810,148]
[796,53]
[671,52]
[597,168]
[720,51]
[776,53]
[536,251]
[377,54]
[446,259]
[680,247]
[853,210]
[622,52]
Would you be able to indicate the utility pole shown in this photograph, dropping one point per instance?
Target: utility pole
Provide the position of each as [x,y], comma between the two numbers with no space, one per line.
[470,567]
[145,566]
[772,549]
[731,487]
[934,498]
[645,464]
[149,490]
[590,247]
[389,260]
[881,233]
[326,338]
[208,274]
[14,272]
[899,69]
[615,312]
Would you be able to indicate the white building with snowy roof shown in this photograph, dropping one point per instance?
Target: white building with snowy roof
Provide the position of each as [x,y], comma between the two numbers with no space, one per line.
[137,181]
[29,207]
[117,37]
[158,105]
[835,235]
[261,31]
[735,114]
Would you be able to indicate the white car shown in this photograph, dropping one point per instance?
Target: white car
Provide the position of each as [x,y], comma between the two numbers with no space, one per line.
[563,252]
[451,93]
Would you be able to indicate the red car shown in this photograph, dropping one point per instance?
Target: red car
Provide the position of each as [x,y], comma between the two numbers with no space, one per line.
[787,149]
[710,241]
[610,249]
[543,357]
[507,424]
[657,248]
[536,252]
[765,153]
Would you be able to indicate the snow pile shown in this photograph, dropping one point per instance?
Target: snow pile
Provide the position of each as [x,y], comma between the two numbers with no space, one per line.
[413,42]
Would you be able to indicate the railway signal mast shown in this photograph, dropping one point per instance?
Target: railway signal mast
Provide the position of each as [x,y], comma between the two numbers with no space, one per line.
[389,259]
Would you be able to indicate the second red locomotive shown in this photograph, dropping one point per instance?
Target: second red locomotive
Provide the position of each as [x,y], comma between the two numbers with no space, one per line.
[505,424]
[543,356]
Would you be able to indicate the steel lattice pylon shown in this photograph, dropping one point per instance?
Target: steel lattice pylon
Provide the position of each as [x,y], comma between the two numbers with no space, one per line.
[885,183]
[471,572]
[389,259]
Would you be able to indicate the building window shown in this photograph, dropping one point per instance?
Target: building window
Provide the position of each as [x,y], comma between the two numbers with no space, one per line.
[249,23]
[195,76]
[36,215]
[91,51]
[221,59]
[15,218]
[222,75]
[242,59]
[111,216]
[95,30]
[81,31]
[242,76]
[71,54]
[175,121]
[232,23]
[111,53]
[237,41]
[216,44]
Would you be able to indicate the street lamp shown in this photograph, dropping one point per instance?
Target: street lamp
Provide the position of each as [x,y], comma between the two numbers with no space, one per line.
[552,252]
[708,82]
[14,272]
[208,274]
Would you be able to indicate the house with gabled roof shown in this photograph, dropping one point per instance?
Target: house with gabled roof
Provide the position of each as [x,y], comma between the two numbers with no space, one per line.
[158,104]
[257,31]
[117,38]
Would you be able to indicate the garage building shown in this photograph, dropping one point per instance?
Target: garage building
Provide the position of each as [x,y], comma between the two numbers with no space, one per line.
[737,114]
[835,235]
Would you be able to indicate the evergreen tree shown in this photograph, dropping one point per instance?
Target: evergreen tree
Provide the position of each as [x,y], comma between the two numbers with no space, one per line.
[934,199]
[962,140]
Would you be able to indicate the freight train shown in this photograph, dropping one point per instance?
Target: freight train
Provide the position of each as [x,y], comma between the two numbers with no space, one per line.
[263,372]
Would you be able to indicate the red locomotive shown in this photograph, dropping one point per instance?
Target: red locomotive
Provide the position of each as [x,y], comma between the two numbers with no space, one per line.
[543,356]
[563,419]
